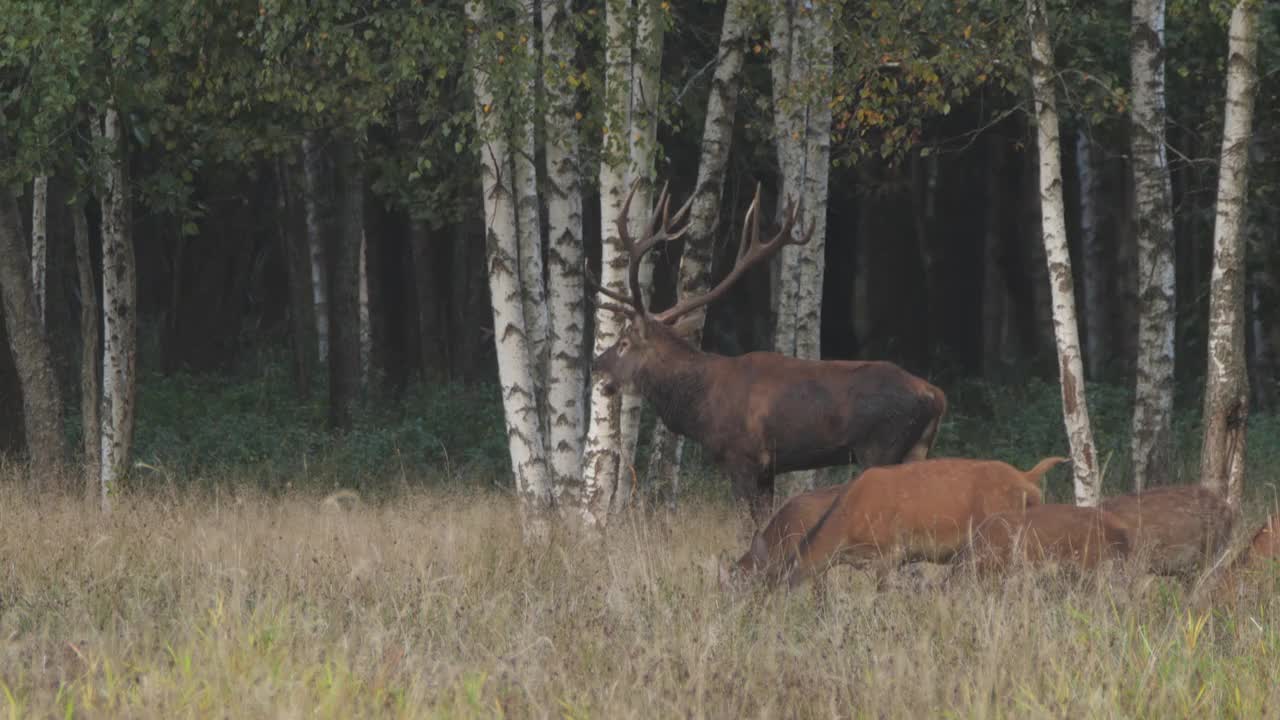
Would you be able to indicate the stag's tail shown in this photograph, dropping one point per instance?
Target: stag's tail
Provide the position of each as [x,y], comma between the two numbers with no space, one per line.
[1044,466]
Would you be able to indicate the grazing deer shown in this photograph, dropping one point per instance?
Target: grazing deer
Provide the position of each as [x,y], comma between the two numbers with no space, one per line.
[1071,535]
[887,516]
[1175,529]
[761,413]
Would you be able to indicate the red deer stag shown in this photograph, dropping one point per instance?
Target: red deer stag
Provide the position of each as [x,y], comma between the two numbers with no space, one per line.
[760,413]
[887,516]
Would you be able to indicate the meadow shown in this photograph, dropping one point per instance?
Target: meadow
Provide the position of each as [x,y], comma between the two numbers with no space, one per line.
[225,585]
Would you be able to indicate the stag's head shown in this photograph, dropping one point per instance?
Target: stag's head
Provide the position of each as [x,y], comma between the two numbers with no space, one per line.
[649,339]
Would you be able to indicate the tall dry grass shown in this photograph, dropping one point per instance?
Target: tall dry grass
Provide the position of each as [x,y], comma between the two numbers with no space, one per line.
[428,604]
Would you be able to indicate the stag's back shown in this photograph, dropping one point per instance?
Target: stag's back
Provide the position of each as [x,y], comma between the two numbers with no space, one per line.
[1176,528]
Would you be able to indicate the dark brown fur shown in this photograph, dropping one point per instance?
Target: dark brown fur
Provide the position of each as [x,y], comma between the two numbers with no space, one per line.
[1177,529]
[1081,537]
[764,413]
[890,515]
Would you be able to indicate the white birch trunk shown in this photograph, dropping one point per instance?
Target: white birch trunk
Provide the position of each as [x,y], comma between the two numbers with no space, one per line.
[312,172]
[1093,274]
[119,306]
[704,216]
[532,285]
[565,291]
[787,36]
[1058,259]
[366,326]
[40,242]
[515,374]
[801,69]
[601,456]
[1226,398]
[1153,396]
[646,60]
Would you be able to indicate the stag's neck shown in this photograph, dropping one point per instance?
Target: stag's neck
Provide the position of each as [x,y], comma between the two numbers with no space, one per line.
[675,390]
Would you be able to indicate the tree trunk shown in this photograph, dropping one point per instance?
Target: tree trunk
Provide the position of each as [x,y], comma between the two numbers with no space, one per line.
[90,353]
[366,325]
[313,184]
[344,285]
[1153,396]
[602,460]
[1226,396]
[995,294]
[644,91]
[432,339]
[566,380]
[40,242]
[29,345]
[529,232]
[924,180]
[515,372]
[704,216]
[120,309]
[788,39]
[1058,259]
[1094,261]
[801,69]
[297,264]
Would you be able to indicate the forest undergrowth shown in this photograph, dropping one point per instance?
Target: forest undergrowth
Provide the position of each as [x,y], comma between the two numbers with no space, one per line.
[238,603]
[256,566]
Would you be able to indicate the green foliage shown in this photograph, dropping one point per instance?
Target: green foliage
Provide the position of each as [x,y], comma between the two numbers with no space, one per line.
[198,426]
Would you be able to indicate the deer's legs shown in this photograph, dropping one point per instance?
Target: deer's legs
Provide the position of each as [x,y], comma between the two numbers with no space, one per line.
[754,487]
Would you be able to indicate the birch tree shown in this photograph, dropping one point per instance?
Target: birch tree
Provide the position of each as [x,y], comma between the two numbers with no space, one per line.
[1226,397]
[119,306]
[642,141]
[695,262]
[602,459]
[502,243]
[1153,391]
[1058,260]
[801,35]
[40,241]
[565,292]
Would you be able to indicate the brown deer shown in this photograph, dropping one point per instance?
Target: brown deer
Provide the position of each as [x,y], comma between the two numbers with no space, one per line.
[1243,576]
[1071,535]
[760,413]
[1175,529]
[887,516]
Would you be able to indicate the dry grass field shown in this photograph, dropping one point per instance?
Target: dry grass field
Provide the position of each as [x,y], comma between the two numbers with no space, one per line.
[427,604]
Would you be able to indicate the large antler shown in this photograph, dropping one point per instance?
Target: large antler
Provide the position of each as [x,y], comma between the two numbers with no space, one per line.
[751,252]
[661,228]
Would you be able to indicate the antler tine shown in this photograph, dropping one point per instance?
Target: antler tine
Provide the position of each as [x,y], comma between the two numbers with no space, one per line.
[751,251]
[623,214]
[594,284]
[750,226]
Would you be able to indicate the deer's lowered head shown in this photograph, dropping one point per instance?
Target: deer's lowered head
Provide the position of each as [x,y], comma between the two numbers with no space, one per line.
[651,340]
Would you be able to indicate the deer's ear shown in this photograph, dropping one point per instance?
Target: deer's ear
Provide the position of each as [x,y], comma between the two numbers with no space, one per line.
[687,326]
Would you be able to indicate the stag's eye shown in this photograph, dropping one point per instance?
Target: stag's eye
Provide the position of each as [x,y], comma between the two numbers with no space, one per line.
[623,344]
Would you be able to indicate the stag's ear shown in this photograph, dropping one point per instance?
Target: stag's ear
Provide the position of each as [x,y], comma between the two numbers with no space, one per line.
[687,326]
